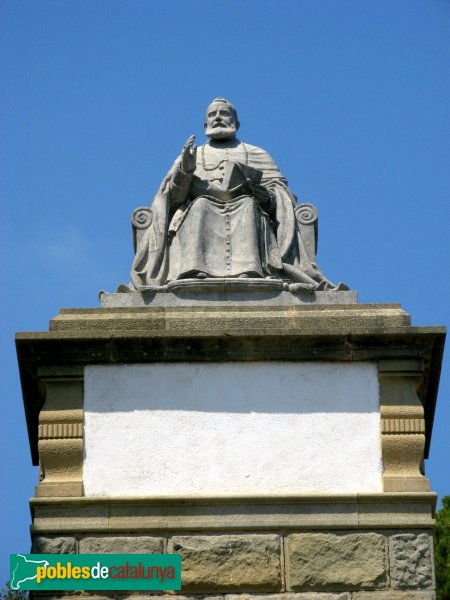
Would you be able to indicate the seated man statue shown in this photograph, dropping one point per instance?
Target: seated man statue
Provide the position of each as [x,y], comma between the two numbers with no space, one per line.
[223,211]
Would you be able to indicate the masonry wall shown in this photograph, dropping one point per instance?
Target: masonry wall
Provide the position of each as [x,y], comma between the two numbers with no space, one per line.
[351,565]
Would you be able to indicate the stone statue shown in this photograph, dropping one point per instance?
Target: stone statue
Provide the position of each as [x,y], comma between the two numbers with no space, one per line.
[224,210]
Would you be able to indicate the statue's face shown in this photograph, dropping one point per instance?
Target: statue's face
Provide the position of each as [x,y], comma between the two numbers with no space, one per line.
[221,124]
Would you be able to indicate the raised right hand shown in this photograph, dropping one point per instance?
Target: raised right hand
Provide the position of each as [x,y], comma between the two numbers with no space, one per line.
[189,156]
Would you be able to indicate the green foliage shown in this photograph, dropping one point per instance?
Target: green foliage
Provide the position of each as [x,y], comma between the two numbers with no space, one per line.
[443,550]
[8,594]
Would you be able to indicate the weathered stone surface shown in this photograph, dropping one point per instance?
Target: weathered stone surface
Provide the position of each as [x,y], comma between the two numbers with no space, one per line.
[321,561]
[393,595]
[153,596]
[159,321]
[54,545]
[230,562]
[291,596]
[371,511]
[149,596]
[411,561]
[259,297]
[126,595]
[286,596]
[121,545]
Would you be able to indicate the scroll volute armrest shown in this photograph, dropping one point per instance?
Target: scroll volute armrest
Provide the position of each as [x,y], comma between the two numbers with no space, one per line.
[141,220]
[307,220]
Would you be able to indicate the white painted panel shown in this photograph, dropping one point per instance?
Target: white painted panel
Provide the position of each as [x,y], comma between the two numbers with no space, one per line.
[228,428]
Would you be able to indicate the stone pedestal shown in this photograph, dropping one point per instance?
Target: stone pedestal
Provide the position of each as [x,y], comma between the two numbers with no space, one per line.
[278,447]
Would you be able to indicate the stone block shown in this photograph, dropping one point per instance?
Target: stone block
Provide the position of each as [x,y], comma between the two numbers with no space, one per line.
[393,595]
[123,595]
[152,596]
[149,595]
[63,489]
[230,562]
[121,545]
[290,596]
[77,515]
[54,545]
[389,511]
[225,297]
[322,561]
[411,561]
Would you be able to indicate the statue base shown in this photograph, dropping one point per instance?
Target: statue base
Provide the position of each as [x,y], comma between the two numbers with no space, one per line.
[279,449]
[228,291]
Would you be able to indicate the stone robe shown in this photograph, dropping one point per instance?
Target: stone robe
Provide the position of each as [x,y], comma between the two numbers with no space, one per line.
[195,230]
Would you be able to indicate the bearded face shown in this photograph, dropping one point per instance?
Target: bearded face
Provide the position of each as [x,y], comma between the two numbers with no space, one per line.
[221,122]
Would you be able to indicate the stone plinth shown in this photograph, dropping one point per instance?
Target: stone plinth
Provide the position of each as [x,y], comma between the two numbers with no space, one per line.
[226,292]
[288,438]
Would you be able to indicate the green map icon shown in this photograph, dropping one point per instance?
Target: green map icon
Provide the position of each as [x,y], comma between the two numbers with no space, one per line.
[23,569]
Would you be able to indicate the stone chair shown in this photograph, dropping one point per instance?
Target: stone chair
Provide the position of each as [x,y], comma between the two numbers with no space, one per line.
[306,218]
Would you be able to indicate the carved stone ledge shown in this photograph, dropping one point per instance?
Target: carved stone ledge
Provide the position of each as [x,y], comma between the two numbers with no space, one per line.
[210,513]
[60,431]
[403,426]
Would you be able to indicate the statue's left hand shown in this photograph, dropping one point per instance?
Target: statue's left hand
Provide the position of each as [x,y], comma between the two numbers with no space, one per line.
[189,156]
[262,195]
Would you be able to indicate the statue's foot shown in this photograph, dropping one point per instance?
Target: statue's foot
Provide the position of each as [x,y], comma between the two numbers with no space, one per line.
[243,276]
[201,275]
[330,287]
[297,288]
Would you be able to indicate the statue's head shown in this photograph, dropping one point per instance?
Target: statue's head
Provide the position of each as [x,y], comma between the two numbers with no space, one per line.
[221,122]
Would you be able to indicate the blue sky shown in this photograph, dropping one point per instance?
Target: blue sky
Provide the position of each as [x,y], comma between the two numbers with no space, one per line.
[351,98]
